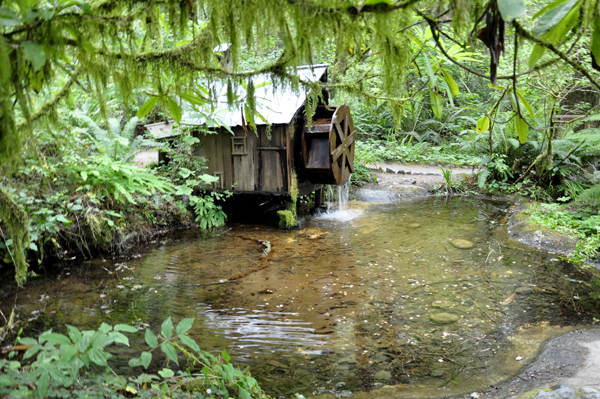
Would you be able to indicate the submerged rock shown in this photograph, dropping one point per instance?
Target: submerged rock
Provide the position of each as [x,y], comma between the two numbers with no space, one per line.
[441,304]
[444,318]
[413,225]
[524,290]
[383,375]
[462,244]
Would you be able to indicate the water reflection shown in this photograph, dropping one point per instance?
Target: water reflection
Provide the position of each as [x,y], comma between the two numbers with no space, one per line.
[384,297]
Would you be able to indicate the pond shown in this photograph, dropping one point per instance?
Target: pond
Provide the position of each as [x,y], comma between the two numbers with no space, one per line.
[389,296]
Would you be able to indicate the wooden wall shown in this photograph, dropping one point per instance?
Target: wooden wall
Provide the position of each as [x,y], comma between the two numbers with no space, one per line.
[249,162]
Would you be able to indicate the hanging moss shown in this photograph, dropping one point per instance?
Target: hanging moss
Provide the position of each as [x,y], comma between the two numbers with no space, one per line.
[287,217]
[17,222]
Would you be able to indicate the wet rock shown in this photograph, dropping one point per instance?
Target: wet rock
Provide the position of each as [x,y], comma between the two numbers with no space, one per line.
[461,244]
[383,376]
[408,181]
[590,393]
[444,318]
[441,304]
[558,392]
[524,290]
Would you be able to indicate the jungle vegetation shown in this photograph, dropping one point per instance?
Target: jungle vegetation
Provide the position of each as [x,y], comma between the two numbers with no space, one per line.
[511,86]
[462,81]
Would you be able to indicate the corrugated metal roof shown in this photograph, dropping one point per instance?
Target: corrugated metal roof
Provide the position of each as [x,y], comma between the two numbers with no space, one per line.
[276,106]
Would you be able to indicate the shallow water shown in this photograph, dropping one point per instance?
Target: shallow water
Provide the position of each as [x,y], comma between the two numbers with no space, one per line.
[342,305]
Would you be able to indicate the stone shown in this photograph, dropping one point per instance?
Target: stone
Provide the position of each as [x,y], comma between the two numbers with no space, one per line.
[383,375]
[441,304]
[444,318]
[590,393]
[462,244]
[524,290]
[408,181]
[413,225]
[558,392]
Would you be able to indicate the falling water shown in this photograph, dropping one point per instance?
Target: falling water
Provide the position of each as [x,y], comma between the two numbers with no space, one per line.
[340,212]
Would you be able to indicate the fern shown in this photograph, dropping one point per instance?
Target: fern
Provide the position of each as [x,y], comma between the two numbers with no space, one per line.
[590,194]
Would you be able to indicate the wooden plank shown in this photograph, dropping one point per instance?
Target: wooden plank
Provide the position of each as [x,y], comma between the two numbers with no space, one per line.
[227,158]
[288,157]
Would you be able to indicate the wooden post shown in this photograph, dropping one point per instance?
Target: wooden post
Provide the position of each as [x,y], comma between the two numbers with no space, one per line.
[319,197]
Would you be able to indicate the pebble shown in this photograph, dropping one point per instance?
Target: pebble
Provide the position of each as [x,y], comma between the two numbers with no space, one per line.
[414,225]
[444,318]
[461,244]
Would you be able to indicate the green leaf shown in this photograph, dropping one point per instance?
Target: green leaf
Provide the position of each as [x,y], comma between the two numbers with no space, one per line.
[595,45]
[225,355]
[244,394]
[33,246]
[524,101]
[42,384]
[174,109]
[34,53]
[190,343]
[135,362]
[118,337]
[55,338]
[123,327]
[437,103]
[511,9]
[536,54]
[522,129]
[451,83]
[147,107]
[151,339]
[432,78]
[548,8]
[553,16]
[31,351]
[169,350]
[5,381]
[483,125]
[251,382]
[193,99]
[166,373]
[27,341]
[146,359]
[98,357]
[84,342]
[184,326]
[249,116]
[105,327]
[166,329]
[74,334]
[68,353]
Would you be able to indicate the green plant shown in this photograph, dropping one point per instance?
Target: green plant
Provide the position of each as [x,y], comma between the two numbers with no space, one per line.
[78,365]
[119,180]
[116,142]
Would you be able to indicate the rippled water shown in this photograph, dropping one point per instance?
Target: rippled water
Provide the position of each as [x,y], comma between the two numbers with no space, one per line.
[340,306]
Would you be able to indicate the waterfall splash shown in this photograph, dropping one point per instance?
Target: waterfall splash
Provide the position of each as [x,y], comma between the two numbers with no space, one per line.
[339,211]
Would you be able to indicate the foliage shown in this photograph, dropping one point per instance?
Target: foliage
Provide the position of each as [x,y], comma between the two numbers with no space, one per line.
[78,364]
[116,143]
[578,221]
[287,217]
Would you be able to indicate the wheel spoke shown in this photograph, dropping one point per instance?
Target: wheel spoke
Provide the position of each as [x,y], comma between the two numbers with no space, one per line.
[350,156]
[335,154]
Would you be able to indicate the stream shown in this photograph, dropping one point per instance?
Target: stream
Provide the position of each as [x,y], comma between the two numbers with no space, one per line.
[380,297]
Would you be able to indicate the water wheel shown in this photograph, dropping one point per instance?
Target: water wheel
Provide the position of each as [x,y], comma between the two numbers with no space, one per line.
[328,146]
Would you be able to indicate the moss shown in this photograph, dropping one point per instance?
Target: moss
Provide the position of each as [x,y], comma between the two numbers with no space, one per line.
[17,223]
[287,217]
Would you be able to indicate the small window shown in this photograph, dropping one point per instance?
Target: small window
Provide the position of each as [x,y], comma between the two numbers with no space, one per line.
[238,146]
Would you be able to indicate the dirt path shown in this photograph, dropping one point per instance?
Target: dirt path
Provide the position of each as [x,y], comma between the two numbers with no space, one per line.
[395,181]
